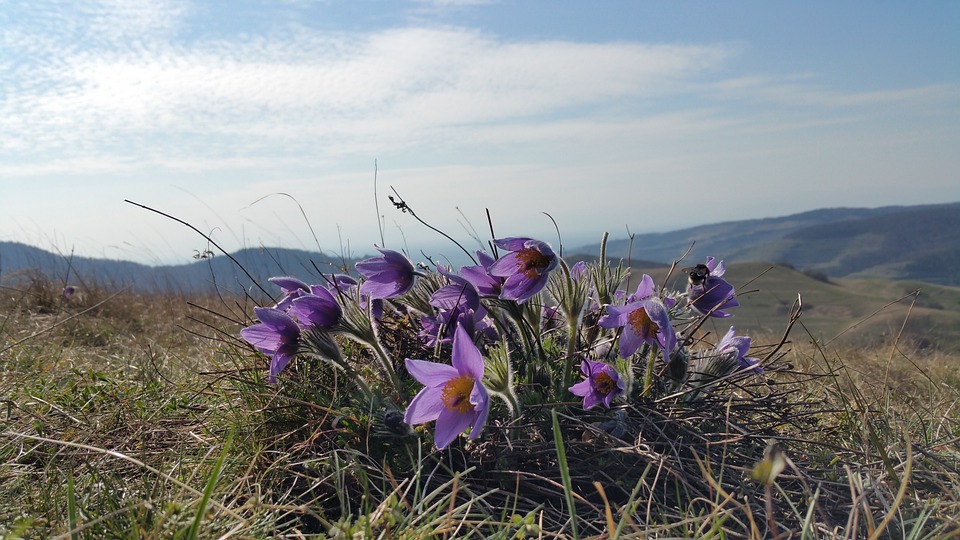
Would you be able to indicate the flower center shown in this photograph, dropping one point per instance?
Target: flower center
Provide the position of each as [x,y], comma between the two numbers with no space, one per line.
[531,262]
[642,324]
[456,394]
[603,383]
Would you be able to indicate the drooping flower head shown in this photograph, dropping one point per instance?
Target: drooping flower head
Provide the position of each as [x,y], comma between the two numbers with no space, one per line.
[644,320]
[708,292]
[602,385]
[737,347]
[480,277]
[277,335]
[388,276]
[291,288]
[526,268]
[442,327]
[454,395]
[316,309]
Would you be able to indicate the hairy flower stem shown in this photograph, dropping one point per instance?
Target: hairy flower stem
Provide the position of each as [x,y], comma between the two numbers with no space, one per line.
[386,365]
[572,330]
[572,305]
[651,365]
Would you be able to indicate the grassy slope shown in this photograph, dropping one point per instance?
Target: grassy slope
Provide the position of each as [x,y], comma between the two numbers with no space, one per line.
[852,311]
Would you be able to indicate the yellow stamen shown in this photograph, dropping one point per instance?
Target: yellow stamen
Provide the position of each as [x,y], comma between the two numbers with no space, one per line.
[603,383]
[456,394]
[531,262]
[642,324]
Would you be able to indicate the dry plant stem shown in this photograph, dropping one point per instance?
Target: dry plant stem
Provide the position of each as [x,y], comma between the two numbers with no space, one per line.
[207,237]
[403,206]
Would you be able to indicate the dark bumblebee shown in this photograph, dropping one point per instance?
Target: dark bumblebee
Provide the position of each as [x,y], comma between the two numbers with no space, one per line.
[697,277]
[698,274]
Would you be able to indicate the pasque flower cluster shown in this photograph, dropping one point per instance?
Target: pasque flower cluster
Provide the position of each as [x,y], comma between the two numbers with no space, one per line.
[489,323]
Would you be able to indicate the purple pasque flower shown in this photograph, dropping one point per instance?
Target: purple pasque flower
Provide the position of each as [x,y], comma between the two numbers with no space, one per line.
[454,395]
[602,385]
[479,276]
[737,347]
[316,309]
[442,327]
[291,288]
[277,335]
[526,268]
[458,293]
[388,276]
[644,320]
[708,292]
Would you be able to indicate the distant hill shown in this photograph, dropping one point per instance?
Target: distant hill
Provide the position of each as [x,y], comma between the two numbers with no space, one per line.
[897,242]
[214,272]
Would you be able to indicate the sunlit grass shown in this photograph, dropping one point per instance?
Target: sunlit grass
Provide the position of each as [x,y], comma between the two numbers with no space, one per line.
[135,416]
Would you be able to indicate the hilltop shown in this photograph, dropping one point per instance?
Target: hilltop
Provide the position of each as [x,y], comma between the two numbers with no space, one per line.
[897,242]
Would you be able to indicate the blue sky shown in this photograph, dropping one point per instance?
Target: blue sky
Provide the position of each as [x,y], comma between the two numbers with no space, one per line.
[607,115]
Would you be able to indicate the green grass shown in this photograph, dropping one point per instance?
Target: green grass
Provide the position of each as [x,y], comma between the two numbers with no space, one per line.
[141,417]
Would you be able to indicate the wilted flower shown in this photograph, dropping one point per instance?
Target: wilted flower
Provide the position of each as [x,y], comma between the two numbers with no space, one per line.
[602,385]
[737,347]
[708,292]
[277,335]
[454,395]
[526,268]
[644,320]
[388,276]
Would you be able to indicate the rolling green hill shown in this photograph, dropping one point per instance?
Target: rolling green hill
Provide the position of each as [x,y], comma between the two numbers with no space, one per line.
[852,311]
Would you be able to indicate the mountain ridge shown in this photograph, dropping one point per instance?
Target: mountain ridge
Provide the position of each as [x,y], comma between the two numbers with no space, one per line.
[895,242]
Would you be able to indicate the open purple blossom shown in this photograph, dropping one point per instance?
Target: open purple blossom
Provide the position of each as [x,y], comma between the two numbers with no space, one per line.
[738,346]
[708,292]
[277,335]
[316,309]
[526,268]
[644,320]
[646,289]
[388,276]
[602,385]
[454,395]
[69,292]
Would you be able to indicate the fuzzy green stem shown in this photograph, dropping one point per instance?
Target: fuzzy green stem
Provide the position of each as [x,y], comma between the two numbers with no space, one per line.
[511,400]
[651,365]
[572,329]
[386,364]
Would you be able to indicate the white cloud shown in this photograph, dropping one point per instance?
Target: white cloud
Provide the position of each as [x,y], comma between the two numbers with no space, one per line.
[391,87]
